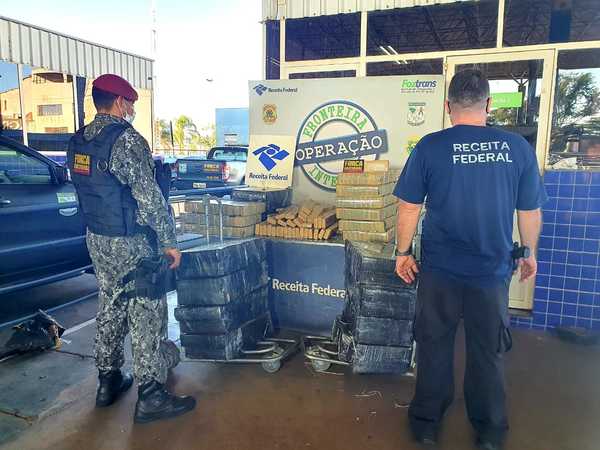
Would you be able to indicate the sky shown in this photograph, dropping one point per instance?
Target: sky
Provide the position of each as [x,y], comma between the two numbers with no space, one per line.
[196,40]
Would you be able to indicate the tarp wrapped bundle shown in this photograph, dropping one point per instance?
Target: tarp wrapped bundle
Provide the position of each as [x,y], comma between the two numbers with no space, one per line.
[222,319]
[220,259]
[223,299]
[222,290]
[379,311]
[229,345]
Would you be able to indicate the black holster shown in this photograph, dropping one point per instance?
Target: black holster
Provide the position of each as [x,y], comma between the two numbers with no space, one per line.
[152,278]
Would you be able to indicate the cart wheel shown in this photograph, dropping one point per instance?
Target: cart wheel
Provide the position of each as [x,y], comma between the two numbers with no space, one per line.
[318,365]
[271,366]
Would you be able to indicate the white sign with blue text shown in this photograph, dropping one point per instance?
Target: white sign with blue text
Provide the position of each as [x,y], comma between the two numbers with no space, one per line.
[270,161]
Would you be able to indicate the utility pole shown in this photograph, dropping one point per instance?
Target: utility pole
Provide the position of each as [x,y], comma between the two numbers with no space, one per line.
[153,52]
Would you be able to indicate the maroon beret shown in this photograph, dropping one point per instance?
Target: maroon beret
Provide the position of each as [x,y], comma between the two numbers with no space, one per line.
[116,85]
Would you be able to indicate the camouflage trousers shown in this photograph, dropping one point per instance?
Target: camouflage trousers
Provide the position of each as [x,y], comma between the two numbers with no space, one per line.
[145,319]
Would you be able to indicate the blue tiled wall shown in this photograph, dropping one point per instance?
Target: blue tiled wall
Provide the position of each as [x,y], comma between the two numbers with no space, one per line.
[567,288]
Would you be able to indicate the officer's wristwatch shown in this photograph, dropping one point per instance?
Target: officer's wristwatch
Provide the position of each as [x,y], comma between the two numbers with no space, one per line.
[406,253]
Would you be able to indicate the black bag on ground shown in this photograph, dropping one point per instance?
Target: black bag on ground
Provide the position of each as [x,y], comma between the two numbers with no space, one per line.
[41,332]
[222,319]
[222,290]
[221,258]
[226,346]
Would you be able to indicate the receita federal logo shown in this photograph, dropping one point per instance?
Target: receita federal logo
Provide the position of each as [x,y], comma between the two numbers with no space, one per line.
[270,154]
[418,86]
[260,89]
[333,132]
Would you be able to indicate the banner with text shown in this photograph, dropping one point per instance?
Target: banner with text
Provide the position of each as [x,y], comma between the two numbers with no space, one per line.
[332,120]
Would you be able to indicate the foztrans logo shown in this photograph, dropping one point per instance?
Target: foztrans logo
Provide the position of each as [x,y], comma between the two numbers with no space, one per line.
[260,89]
[270,154]
[418,86]
[333,132]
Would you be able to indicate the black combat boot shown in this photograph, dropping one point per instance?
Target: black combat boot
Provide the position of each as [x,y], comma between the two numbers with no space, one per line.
[156,403]
[112,384]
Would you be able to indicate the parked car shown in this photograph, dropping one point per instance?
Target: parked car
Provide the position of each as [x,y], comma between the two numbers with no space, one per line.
[224,166]
[42,232]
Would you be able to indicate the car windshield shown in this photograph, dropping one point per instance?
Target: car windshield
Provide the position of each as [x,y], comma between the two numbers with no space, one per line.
[230,154]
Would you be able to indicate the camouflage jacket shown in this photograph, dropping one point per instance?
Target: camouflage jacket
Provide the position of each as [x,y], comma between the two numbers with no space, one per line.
[131,163]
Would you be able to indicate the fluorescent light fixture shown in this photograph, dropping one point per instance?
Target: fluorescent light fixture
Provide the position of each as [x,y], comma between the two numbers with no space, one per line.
[384,50]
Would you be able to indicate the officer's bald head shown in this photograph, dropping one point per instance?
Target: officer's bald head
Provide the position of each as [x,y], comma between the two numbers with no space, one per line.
[469,89]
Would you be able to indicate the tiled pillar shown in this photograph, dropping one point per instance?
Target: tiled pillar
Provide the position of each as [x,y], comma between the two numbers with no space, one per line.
[568,283]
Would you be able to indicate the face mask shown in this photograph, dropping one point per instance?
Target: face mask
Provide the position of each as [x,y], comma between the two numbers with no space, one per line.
[129,117]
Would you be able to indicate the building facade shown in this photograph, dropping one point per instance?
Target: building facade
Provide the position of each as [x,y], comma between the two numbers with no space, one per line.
[543,61]
[46,83]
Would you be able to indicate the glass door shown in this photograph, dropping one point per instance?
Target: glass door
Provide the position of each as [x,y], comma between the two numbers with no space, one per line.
[520,84]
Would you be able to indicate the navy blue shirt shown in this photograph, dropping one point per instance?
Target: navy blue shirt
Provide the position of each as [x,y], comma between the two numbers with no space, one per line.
[473,178]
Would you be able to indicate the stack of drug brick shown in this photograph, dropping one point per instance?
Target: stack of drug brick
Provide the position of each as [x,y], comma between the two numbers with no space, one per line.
[222,296]
[379,311]
[239,218]
[366,207]
[311,221]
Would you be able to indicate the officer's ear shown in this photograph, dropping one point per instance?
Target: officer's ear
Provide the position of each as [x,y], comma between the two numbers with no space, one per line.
[488,105]
[447,105]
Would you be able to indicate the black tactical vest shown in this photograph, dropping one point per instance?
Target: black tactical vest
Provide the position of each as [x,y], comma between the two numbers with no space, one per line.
[108,207]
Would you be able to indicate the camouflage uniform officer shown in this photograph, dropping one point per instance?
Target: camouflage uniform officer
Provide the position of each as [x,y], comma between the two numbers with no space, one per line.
[127,220]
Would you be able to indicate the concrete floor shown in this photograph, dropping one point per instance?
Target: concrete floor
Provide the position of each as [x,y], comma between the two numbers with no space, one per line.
[554,405]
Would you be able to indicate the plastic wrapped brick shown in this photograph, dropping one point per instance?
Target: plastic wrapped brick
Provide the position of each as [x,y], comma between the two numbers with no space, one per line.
[230,207]
[366,214]
[228,232]
[348,190]
[372,264]
[378,331]
[380,359]
[378,301]
[272,198]
[220,259]
[228,221]
[366,203]
[368,178]
[229,345]
[222,319]
[222,290]
[369,226]
[364,236]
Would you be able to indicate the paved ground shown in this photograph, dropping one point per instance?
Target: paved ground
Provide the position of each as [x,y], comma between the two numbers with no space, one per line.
[554,403]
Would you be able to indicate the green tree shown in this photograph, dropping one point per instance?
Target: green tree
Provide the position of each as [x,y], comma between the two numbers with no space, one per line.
[207,138]
[577,101]
[163,132]
[184,132]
